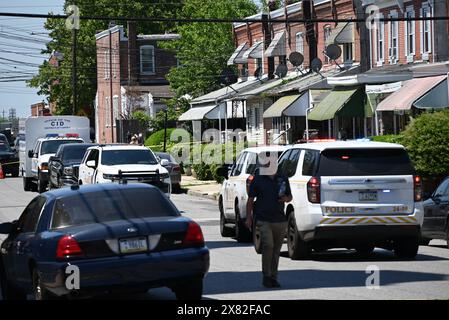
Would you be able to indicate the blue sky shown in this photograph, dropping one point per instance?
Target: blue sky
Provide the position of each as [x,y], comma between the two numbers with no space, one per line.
[21,40]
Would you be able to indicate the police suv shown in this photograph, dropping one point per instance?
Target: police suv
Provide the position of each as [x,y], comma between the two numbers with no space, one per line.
[357,195]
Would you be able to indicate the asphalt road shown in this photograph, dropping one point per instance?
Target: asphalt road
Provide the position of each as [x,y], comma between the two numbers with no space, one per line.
[235,271]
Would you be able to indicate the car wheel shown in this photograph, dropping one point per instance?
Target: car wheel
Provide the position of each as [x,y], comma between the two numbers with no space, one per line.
[224,230]
[406,248]
[26,184]
[256,238]
[8,291]
[298,249]
[15,172]
[40,293]
[242,234]
[364,250]
[192,290]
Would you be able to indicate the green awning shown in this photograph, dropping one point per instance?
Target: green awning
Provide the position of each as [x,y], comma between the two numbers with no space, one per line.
[276,109]
[341,102]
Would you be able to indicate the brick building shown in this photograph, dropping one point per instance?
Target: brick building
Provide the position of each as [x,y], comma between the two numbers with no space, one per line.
[131,74]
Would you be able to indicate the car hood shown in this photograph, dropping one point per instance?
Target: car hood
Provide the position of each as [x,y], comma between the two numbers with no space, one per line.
[45,157]
[133,168]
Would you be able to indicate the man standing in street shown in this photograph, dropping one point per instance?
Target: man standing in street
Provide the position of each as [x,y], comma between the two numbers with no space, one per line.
[267,194]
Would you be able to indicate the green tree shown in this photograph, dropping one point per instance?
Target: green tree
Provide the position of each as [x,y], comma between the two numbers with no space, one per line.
[204,49]
[56,83]
[175,107]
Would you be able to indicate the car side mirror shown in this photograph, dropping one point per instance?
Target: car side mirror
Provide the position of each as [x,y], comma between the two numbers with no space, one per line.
[164,162]
[91,164]
[223,172]
[7,227]
[30,154]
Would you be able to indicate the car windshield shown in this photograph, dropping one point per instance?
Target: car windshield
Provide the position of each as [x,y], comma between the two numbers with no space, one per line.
[110,205]
[120,157]
[364,162]
[51,146]
[4,148]
[74,154]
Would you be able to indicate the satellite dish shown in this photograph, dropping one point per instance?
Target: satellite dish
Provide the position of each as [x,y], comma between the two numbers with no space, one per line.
[257,73]
[296,59]
[227,77]
[333,51]
[316,65]
[281,71]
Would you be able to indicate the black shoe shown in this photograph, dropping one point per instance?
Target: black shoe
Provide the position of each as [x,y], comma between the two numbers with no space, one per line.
[267,282]
[275,284]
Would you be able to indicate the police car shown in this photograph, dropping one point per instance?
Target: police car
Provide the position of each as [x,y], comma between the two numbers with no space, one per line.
[357,195]
[233,194]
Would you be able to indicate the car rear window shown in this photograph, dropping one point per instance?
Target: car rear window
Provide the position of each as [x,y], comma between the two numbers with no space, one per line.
[364,162]
[110,205]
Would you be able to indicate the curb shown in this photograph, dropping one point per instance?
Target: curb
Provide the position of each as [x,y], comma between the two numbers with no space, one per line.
[203,195]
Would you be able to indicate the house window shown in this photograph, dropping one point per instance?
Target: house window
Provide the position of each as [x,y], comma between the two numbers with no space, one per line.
[259,68]
[426,40]
[393,36]
[410,33]
[244,71]
[107,71]
[327,34]
[147,60]
[114,65]
[115,106]
[256,118]
[299,42]
[107,112]
[380,41]
[347,52]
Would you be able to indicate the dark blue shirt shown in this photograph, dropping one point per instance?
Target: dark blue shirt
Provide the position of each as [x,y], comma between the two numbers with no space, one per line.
[266,191]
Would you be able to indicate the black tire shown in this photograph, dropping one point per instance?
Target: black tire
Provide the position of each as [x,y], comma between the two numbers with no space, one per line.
[298,249]
[364,250]
[192,290]
[406,248]
[225,231]
[256,238]
[41,185]
[8,291]
[242,233]
[26,184]
[15,172]
[40,293]
[424,241]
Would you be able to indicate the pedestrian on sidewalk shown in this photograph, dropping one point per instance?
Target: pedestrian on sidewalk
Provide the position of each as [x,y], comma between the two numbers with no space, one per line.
[268,193]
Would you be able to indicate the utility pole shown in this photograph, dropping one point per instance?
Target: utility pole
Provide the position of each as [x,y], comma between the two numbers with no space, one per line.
[110,85]
[74,73]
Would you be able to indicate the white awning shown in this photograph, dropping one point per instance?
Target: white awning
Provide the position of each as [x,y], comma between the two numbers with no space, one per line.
[255,52]
[197,113]
[237,56]
[342,33]
[277,46]
[383,88]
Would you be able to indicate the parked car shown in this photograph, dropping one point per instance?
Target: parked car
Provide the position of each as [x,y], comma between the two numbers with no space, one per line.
[3,139]
[173,168]
[233,194]
[111,234]
[357,195]
[63,166]
[436,215]
[9,159]
[115,163]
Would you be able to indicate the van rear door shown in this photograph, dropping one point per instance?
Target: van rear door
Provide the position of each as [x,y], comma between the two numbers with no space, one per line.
[366,182]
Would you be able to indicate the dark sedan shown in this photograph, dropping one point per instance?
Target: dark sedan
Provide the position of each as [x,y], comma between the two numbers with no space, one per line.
[120,237]
[173,168]
[9,159]
[436,215]
[63,166]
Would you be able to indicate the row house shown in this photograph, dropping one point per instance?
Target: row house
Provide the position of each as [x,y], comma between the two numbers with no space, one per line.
[131,74]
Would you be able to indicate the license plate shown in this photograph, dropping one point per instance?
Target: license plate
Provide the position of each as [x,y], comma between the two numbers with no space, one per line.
[368,196]
[133,245]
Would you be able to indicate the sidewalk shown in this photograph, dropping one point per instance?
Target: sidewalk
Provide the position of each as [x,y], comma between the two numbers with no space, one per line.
[204,189]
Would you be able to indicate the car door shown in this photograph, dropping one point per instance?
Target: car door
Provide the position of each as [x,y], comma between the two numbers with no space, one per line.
[23,240]
[233,180]
[86,173]
[442,212]
[434,210]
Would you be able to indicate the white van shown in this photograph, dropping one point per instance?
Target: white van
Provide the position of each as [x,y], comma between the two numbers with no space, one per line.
[38,133]
[357,195]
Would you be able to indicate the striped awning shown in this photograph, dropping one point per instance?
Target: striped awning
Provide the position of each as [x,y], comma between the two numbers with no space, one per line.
[237,56]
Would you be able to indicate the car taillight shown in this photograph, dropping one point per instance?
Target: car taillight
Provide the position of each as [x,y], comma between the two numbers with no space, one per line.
[194,235]
[67,248]
[417,188]
[313,190]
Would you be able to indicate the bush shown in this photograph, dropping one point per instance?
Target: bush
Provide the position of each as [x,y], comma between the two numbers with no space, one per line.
[156,140]
[427,141]
[391,138]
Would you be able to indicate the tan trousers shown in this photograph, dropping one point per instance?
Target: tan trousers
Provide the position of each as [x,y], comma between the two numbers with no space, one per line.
[272,237]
